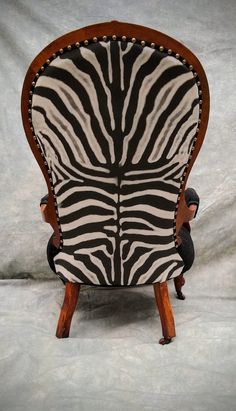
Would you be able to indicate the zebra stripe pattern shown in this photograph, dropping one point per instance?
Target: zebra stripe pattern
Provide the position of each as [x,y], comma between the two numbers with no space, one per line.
[116,123]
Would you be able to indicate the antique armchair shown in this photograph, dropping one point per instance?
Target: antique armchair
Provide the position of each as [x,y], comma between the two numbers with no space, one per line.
[115,115]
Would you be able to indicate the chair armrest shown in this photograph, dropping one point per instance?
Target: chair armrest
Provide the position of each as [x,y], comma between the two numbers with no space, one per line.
[192,200]
[43,207]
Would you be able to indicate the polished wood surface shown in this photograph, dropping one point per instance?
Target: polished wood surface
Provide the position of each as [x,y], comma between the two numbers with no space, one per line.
[179,283]
[165,311]
[68,308]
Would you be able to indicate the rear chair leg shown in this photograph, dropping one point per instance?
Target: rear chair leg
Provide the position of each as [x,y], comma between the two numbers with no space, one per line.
[67,310]
[165,311]
[179,283]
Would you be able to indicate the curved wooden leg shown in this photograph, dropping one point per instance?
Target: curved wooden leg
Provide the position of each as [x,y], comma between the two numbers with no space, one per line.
[67,310]
[179,283]
[165,310]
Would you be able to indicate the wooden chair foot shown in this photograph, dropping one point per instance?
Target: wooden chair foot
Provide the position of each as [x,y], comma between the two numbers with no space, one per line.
[179,283]
[67,310]
[164,341]
[165,311]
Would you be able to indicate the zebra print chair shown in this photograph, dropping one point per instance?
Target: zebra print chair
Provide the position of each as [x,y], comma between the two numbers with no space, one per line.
[115,114]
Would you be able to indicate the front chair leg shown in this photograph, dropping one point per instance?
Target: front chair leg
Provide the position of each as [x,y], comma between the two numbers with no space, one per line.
[67,310]
[165,311]
[179,283]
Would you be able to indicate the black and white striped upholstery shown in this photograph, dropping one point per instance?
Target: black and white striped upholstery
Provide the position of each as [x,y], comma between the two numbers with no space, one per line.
[116,122]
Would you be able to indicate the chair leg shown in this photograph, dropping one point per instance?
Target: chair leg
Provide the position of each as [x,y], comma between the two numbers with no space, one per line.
[179,283]
[165,311]
[67,310]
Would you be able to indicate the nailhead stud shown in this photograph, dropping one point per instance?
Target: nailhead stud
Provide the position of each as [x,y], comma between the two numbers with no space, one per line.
[133,40]
[161,48]
[143,43]
[153,45]
[77,44]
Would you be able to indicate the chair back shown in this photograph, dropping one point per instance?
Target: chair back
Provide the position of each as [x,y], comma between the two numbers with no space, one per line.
[116,118]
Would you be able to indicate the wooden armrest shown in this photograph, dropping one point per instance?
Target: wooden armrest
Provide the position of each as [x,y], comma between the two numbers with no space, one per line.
[49,216]
[185,213]
[44,212]
[189,212]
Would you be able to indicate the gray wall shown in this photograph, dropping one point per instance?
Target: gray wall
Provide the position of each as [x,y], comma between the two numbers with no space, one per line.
[206,27]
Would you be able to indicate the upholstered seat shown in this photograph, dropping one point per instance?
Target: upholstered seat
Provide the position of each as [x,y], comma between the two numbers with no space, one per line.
[114,121]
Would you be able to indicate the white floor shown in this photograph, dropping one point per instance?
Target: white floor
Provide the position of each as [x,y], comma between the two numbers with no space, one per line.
[112,360]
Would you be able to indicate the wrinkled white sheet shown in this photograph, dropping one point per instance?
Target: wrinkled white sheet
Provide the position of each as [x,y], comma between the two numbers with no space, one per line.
[112,360]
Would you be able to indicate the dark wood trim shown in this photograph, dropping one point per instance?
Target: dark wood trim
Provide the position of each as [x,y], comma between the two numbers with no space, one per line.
[165,311]
[68,308]
[179,283]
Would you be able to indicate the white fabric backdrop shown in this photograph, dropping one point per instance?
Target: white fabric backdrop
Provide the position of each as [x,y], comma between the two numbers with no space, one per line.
[206,27]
